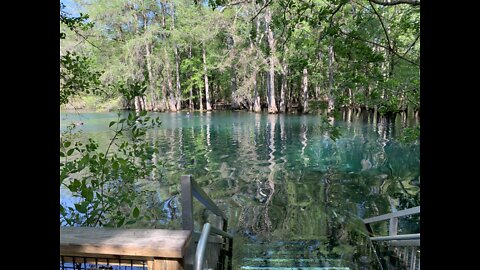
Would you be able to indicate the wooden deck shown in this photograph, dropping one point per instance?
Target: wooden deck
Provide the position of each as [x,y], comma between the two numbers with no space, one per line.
[162,249]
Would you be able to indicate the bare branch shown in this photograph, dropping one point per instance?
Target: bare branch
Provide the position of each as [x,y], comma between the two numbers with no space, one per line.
[411,46]
[383,26]
[78,33]
[264,6]
[396,2]
[233,4]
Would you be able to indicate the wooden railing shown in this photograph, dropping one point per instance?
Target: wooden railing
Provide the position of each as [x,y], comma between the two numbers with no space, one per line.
[102,248]
[152,249]
[222,246]
[405,246]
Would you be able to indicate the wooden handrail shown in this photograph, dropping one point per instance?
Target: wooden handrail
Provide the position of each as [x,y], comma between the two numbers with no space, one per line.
[156,247]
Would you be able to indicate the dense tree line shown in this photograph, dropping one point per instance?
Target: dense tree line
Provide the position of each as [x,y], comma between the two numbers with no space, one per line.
[278,56]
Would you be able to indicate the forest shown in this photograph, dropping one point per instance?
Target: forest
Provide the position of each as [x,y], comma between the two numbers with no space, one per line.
[280,56]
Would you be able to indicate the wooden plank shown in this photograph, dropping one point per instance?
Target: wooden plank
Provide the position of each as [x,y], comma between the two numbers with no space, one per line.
[104,261]
[124,242]
[167,264]
[112,259]
[401,213]
[396,237]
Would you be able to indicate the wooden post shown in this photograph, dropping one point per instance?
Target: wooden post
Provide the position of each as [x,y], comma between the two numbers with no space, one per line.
[187,217]
[187,203]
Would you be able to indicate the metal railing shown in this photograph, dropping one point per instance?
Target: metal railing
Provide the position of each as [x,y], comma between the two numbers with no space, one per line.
[393,225]
[190,189]
[202,243]
[406,247]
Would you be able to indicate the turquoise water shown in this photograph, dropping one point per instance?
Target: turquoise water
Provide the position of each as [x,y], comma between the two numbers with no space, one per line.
[280,177]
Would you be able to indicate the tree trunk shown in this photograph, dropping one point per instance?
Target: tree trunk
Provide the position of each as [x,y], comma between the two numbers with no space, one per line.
[233,83]
[283,88]
[151,81]
[331,101]
[144,103]
[207,99]
[290,96]
[163,103]
[305,90]
[171,92]
[272,107]
[256,98]
[178,95]
[190,100]
[138,104]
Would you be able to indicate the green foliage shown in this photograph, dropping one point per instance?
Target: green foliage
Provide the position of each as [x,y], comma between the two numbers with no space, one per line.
[326,126]
[77,75]
[410,134]
[104,183]
[73,23]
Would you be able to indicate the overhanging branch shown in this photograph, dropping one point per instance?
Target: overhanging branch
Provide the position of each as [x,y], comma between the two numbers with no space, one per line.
[383,26]
[264,6]
[396,2]
[382,46]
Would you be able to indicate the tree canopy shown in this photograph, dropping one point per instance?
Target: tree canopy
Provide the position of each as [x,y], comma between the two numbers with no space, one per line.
[279,56]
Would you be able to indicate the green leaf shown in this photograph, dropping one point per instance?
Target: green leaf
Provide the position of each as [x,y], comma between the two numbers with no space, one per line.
[67,144]
[81,207]
[111,123]
[120,222]
[130,222]
[70,152]
[136,212]
[87,194]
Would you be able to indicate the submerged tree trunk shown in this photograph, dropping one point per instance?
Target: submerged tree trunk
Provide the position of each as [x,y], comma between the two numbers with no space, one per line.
[272,106]
[207,99]
[305,90]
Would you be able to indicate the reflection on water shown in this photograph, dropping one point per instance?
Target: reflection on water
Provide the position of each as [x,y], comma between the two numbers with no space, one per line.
[280,177]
